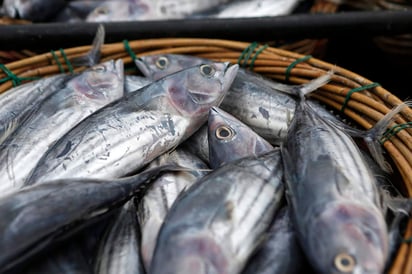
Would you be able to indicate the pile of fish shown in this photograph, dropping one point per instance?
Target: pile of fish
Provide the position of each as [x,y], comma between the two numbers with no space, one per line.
[197,167]
[138,10]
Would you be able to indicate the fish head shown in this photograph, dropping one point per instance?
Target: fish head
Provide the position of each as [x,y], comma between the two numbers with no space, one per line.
[120,11]
[34,10]
[198,88]
[230,139]
[348,238]
[158,66]
[101,83]
[17,8]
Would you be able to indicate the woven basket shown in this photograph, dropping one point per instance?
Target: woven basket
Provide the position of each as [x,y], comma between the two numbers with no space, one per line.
[365,106]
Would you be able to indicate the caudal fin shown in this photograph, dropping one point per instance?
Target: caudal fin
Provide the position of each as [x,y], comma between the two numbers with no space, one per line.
[304,89]
[374,135]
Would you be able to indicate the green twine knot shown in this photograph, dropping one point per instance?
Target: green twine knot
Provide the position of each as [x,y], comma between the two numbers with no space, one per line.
[345,103]
[66,60]
[129,49]
[13,77]
[394,130]
[293,64]
[247,53]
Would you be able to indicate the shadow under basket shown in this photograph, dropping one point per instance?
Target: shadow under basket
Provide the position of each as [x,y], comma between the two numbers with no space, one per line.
[356,97]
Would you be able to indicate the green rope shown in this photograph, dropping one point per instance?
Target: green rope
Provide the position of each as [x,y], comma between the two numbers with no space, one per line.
[394,130]
[246,53]
[129,50]
[59,64]
[345,103]
[13,77]
[293,64]
[69,65]
[259,51]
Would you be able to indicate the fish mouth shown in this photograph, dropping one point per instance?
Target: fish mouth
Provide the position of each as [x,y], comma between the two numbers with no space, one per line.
[214,110]
[119,68]
[143,67]
[230,74]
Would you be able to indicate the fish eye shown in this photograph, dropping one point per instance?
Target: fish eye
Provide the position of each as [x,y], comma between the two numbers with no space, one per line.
[207,70]
[345,262]
[162,62]
[224,133]
[99,69]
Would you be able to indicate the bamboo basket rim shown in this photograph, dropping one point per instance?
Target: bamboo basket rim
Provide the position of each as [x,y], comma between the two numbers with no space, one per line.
[365,107]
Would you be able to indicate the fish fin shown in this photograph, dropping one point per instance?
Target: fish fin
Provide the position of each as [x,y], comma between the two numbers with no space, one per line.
[372,136]
[9,128]
[395,204]
[93,56]
[316,83]
[304,89]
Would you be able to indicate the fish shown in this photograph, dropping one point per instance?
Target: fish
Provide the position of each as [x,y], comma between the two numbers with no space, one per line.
[132,131]
[119,250]
[54,116]
[255,8]
[160,196]
[34,10]
[265,106]
[136,10]
[216,225]
[230,139]
[280,252]
[20,101]
[37,217]
[334,201]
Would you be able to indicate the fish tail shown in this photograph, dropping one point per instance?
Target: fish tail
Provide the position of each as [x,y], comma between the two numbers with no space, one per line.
[316,83]
[373,136]
[304,89]
[93,56]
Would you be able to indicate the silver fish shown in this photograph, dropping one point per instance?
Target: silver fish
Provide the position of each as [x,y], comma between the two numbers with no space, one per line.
[264,106]
[119,251]
[216,224]
[57,114]
[131,132]
[260,103]
[256,8]
[280,252]
[333,196]
[161,195]
[18,102]
[35,217]
[230,139]
[34,10]
[132,10]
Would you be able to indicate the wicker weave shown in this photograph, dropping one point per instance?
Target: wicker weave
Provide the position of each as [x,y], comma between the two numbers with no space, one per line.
[365,107]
